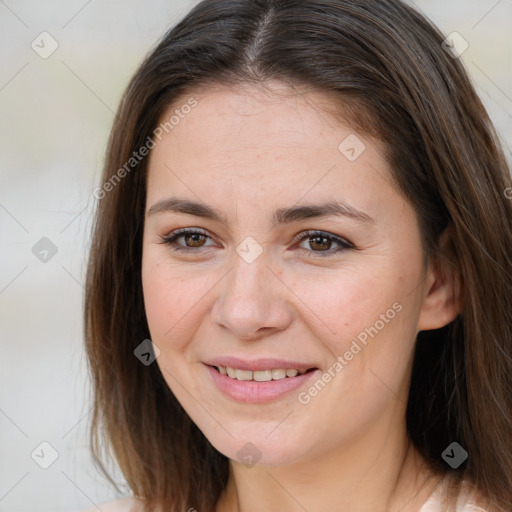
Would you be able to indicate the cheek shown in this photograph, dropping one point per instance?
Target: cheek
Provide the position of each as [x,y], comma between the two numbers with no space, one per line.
[167,298]
[343,303]
[172,304]
[366,315]
[159,302]
[175,301]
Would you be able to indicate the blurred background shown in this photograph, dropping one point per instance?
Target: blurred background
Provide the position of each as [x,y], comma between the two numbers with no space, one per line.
[64,66]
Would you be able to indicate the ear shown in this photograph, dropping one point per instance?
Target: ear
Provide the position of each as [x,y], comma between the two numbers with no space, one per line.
[442,300]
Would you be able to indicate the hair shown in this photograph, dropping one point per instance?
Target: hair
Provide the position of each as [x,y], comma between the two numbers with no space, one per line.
[389,76]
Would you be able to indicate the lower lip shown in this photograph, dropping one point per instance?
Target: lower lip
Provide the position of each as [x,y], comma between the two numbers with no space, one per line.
[250,391]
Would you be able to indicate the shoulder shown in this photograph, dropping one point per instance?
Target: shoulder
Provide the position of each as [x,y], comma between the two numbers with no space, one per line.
[120,505]
[469,499]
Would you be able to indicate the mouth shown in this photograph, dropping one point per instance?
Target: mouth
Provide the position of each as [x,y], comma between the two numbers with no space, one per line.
[261,375]
[264,380]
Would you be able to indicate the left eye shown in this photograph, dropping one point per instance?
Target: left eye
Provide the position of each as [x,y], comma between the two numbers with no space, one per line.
[318,240]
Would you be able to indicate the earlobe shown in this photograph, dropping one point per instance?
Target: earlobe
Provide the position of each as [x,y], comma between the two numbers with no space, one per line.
[442,300]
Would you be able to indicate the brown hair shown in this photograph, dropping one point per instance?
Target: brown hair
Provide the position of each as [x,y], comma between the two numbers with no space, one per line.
[391,78]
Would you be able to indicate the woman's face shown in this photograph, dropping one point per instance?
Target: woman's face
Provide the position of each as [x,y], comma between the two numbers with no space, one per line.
[266,279]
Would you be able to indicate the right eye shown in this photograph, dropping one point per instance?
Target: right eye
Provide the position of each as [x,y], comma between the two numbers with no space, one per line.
[193,236]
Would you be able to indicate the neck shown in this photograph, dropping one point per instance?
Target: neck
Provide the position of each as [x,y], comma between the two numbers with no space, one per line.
[379,471]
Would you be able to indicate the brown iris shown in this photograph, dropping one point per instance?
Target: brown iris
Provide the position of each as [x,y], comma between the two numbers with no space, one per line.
[196,239]
[315,241]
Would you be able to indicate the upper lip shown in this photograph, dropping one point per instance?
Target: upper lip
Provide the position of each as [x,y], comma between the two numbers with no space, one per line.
[258,364]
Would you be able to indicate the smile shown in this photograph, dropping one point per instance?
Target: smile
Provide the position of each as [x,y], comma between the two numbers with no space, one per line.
[260,375]
[258,385]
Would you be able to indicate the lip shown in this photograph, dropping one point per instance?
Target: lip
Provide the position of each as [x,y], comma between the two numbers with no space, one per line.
[258,364]
[249,391]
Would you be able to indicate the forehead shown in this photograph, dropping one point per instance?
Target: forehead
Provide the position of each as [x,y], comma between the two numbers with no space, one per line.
[271,112]
[259,144]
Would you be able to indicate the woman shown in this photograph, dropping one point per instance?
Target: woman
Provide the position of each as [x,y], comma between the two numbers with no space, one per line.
[300,271]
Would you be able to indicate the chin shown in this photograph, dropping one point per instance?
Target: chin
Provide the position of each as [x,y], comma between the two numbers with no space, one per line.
[257,449]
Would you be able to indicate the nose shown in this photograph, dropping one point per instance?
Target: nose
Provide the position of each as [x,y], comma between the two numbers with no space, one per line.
[252,300]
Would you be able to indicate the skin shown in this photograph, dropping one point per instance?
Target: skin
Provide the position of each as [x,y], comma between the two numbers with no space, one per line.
[246,152]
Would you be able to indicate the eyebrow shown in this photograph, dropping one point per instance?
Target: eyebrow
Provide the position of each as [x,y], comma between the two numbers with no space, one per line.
[280,216]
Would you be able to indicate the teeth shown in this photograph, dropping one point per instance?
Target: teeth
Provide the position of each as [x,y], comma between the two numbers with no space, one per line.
[278,374]
[259,375]
[262,375]
[243,374]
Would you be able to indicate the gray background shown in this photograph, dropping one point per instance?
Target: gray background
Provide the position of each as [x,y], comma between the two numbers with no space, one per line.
[55,118]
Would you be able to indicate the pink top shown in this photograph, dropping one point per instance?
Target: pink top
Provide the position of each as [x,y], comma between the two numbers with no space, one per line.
[468,500]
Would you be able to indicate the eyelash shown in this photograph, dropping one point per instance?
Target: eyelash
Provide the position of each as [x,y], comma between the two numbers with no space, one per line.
[171,238]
